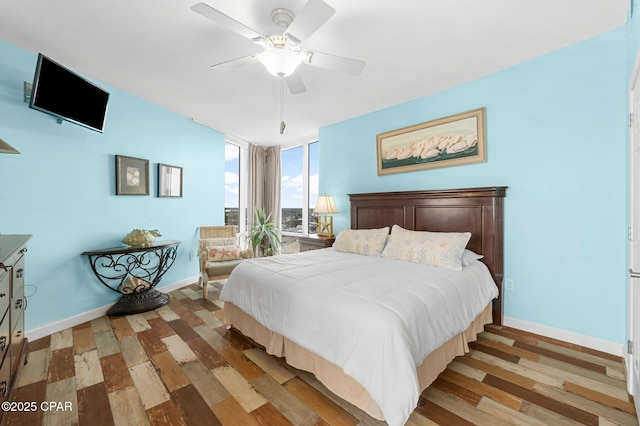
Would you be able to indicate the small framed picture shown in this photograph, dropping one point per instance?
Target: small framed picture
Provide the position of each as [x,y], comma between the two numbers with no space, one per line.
[169,181]
[132,176]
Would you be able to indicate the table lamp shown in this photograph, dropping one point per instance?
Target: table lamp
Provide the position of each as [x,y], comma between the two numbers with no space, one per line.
[325,205]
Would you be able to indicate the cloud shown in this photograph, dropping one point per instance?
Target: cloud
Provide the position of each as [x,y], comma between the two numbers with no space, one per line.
[231,151]
[292,182]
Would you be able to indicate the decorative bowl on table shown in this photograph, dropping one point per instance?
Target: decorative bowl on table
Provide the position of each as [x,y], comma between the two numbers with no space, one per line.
[141,237]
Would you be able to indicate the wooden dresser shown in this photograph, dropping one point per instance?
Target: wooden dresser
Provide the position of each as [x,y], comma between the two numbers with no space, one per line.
[314,242]
[13,344]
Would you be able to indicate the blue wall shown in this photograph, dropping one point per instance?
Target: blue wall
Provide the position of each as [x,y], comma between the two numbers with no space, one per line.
[556,136]
[61,189]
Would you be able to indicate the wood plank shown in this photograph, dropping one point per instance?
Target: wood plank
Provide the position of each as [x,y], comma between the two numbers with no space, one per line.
[440,415]
[268,415]
[506,414]
[150,388]
[512,350]
[36,391]
[83,340]
[495,352]
[459,408]
[36,369]
[587,373]
[166,414]
[88,370]
[138,322]
[61,365]
[62,339]
[100,325]
[272,365]
[231,413]
[543,401]
[457,391]
[481,388]
[211,337]
[234,337]
[116,373]
[106,343]
[241,363]
[41,343]
[319,404]
[191,319]
[518,369]
[208,318]
[161,327]
[205,353]
[209,387]
[63,391]
[183,329]
[169,371]
[292,408]
[546,417]
[238,386]
[127,408]
[132,351]
[94,407]
[176,305]
[586,356]
[167,314]
[577,379]
[179,349]
[466,370]
[151,342]
[487,368]
[602,398]
[562,357]
[121,327]
[616,416]
[195,409]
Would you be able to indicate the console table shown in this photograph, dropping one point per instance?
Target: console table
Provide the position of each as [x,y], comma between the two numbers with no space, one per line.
[134,272]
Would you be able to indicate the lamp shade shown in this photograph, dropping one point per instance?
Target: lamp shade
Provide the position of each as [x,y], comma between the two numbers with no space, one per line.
[325,205]
[280,61]
[5,148]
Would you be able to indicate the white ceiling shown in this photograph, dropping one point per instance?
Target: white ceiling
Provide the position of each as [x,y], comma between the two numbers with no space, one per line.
[162,51]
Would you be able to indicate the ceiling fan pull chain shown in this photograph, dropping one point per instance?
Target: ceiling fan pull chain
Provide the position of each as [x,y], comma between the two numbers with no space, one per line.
[282,123]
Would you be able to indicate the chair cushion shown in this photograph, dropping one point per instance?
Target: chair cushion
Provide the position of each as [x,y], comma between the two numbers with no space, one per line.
[222,268]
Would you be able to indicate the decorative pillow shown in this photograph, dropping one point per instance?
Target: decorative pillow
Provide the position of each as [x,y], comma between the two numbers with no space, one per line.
[369,242]
[221,253]
[468,257]
[443,249]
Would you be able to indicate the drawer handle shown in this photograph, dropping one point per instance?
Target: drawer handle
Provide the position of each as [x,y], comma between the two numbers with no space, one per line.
[19,304]
[3,388]
[19,334]
[20,273]
[3,343]
[3,294]
[23,251]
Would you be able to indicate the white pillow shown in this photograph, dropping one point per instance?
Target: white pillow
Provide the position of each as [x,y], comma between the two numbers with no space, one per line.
[443,249]
[468,257]
[369,242]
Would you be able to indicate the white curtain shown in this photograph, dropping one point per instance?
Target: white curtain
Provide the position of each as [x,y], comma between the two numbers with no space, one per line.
[264,182]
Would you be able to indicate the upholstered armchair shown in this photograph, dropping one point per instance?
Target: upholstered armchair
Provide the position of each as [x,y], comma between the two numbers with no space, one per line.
[219,253]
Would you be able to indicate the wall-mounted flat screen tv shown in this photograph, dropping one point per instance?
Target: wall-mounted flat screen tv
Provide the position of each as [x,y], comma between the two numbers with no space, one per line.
[64,94]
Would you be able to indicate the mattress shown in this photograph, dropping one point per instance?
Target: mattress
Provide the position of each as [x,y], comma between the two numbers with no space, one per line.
[363,314]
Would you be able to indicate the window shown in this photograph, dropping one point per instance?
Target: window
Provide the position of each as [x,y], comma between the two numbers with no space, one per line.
[299,188]
[235,186]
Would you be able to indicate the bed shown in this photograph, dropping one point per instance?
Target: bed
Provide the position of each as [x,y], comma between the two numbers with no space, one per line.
[390,347]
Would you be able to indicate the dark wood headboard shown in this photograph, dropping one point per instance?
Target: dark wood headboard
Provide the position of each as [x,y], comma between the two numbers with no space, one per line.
[476,210]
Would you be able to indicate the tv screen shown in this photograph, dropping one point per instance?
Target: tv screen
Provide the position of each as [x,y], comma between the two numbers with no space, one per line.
[64,94]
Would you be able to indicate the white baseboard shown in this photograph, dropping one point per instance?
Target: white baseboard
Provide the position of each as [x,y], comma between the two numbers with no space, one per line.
[567,336]
[83,317]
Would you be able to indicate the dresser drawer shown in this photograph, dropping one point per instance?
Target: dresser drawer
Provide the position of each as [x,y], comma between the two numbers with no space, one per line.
[4,335]
[17,337]
[5,285]
[5,378]
[18,275]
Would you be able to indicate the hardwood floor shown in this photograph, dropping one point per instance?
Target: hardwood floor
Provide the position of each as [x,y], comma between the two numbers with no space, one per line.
[179,365]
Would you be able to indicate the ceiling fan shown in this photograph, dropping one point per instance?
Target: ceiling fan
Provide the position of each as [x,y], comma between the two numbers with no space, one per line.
[282,53]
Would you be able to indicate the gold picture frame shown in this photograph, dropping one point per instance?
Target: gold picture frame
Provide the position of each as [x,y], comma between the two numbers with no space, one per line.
[449,141]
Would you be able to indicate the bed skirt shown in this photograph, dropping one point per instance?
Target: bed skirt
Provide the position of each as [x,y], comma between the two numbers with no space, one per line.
[331,375]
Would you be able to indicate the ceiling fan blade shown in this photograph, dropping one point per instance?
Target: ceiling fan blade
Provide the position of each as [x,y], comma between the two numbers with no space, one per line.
[311,17]
[235,63]
[226,21]
[333,62]
[295,83]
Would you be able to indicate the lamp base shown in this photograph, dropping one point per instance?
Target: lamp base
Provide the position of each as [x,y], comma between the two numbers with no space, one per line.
[325,226]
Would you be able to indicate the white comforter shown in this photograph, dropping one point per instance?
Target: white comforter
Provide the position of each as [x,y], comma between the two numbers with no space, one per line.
[375,318]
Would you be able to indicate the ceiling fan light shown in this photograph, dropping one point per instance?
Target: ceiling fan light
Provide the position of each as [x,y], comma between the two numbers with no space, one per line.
[280,62]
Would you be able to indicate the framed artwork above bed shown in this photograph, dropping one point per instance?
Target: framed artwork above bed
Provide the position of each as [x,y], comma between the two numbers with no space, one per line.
[449,141]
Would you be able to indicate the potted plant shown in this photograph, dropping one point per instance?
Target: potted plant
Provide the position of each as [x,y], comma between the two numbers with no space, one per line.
[264,236]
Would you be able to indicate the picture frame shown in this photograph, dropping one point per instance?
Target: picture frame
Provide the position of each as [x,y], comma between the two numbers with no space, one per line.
[132,176]
[169,181]
[449,141]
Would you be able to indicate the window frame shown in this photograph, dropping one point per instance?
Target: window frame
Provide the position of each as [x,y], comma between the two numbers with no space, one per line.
[242,184]
[305,187]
